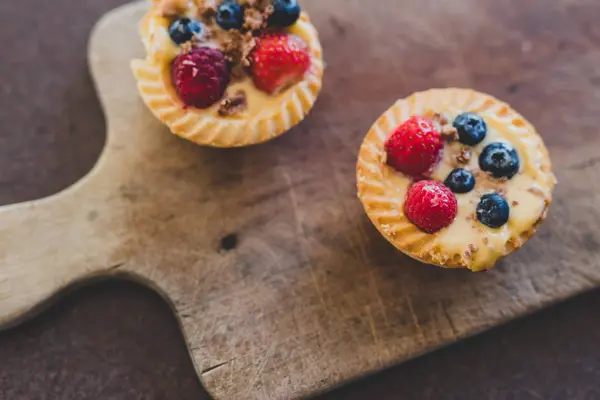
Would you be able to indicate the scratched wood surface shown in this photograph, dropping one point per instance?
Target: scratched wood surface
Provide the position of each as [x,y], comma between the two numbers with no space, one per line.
[281,285]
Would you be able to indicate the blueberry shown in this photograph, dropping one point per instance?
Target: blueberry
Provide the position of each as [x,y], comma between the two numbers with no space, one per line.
[460,181]
[230,15]
[285,13]
[184,29]
[493,210]
[471,128]
[501,159]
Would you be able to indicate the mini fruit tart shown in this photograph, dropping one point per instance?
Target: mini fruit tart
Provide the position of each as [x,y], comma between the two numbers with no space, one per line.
[455,178]
[228,73]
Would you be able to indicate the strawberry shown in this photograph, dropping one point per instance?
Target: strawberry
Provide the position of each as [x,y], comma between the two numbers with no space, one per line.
[430,205]
[414,147]
[278,61]
[200,77]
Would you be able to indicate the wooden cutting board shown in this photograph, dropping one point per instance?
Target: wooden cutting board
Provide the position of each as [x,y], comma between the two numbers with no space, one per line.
[281,285]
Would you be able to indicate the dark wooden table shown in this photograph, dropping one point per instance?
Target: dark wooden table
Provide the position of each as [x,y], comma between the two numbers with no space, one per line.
[117,340]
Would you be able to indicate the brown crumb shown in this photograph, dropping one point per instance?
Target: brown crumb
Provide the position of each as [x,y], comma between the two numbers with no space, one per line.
[486,241]
[237,47]
[449,133]
[231,46]
[248,45]
[207,10]
[481,175]
[440,118]
[473,248]
[486,180]
[515,203]
[255,19]
[467,254]
[464,156]
[441,121]
[259,4]
[443,118]
[233,105]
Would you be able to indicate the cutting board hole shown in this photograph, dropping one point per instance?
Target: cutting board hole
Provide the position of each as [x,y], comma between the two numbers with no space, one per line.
[229,242]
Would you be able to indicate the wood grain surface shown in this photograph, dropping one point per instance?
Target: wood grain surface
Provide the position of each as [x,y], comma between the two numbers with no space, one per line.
[279,282]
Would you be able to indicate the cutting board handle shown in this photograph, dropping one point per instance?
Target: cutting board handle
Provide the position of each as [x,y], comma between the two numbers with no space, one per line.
[46,245]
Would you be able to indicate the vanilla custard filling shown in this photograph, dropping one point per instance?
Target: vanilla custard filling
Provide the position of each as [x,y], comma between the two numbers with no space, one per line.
[527,192]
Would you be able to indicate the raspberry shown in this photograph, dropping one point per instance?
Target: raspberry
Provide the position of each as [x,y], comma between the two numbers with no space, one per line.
[414,147]
[430,205]
[200,77]
[278,61]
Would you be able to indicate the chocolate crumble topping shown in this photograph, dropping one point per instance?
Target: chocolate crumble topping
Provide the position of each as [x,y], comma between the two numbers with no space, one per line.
[256,18]
[260,4]
[487,181]
[247,46]
[464,156]
[207,10]
[231,46]
[237,46]
[442,122]
[449,133]
[233,104]
[440,118]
